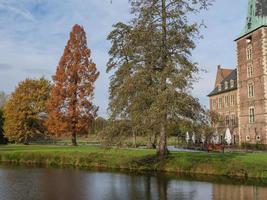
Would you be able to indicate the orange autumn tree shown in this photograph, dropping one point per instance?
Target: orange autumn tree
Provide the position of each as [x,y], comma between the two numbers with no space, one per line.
[70,107]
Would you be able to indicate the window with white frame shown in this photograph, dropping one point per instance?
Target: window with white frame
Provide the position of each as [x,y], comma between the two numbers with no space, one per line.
[247,138]
[232,100]
[214,103]
[227,101]
[250,70]
[258,138]
[251,115]
[233,120]
[232,83]
[249,52]
[220,103]
[225,85]
[250,89]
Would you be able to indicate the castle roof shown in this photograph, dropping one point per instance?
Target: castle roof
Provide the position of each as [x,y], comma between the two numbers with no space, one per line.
[222,73]
[220,87]
[256,16]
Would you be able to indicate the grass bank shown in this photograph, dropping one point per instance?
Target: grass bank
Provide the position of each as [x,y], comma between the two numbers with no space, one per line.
[234,165]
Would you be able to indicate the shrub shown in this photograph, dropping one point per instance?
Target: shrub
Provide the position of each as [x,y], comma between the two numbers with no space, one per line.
[257,146]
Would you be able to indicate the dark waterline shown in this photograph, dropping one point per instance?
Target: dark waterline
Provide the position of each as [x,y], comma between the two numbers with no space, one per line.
[54,184]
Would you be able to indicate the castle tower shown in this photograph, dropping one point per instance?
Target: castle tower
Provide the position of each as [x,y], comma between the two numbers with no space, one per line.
[252,75]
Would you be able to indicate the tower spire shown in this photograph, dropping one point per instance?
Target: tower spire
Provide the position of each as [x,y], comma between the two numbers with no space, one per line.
[256,16]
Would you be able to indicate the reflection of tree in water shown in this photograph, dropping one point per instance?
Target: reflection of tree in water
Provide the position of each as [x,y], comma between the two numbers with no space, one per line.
[50,184]
[143,187]
[179,193]
[148,187]
[162,188]
[134,191]
[62,184]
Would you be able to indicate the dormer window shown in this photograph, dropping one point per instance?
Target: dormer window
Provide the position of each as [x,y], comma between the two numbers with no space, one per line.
[225,85]
[232,83]
[220,87]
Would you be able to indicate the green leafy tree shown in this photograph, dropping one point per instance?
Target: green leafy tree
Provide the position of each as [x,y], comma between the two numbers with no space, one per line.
[128,92]
[25,110]
[98,125]
[154,71]
[208,125]
[116,132]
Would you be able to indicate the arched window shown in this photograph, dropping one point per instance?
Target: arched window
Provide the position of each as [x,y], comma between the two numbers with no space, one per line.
[250,70]
[249,52]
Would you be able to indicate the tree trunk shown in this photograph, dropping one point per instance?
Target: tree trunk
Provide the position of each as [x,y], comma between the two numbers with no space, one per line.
[26,142]
[73,139]
[152,142]
[162,148]
[149,144]
[162,188]
[134,140]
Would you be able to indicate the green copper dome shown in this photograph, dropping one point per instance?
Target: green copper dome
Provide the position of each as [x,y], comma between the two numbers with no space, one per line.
[256,16]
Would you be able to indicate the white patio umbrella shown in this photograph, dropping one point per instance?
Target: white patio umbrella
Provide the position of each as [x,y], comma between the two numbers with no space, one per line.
[187,138]
[228,136]
[203,138]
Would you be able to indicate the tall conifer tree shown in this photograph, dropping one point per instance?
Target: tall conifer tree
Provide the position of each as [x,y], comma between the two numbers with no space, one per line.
[70,108]
[154,70]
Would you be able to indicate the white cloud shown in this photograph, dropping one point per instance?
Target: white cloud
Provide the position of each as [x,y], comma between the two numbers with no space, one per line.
[33,34]
[4,5]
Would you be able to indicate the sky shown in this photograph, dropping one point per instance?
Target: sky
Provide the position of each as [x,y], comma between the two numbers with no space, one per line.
[33,34]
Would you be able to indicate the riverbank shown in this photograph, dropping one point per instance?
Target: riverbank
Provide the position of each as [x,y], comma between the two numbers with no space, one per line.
[234,165]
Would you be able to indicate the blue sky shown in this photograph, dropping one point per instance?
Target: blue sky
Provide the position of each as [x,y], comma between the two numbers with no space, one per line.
[33,34]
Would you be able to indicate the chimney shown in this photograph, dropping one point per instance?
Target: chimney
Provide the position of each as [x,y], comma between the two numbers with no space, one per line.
[219,66]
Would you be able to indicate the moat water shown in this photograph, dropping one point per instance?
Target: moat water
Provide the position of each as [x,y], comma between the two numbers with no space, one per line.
[57,184]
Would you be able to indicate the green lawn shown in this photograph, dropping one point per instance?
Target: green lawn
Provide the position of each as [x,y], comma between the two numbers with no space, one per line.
[245,165]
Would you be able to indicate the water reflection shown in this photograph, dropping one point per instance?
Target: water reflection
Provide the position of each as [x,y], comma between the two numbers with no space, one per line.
[239,192]
[54,184]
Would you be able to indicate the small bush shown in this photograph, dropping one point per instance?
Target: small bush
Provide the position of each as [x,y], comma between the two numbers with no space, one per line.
[257,146]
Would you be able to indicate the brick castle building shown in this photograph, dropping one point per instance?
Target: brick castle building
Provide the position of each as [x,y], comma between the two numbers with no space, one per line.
[240,95]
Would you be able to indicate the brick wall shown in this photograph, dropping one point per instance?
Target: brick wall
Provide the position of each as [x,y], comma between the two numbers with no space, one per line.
[228,109]
[256,131]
